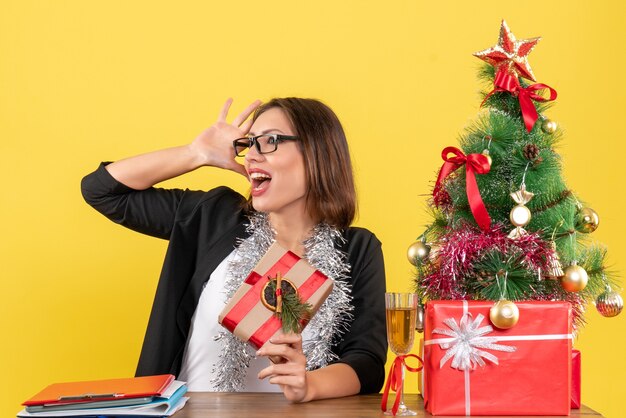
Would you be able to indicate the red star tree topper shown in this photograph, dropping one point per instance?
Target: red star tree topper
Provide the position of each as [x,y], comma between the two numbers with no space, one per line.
[510,55]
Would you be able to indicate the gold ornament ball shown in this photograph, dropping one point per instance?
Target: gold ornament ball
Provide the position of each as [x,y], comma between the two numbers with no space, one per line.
[609,304]
[419,318]
[548,126]
[418,252]
[520,215]
[574,278]
[587,220]
[504,314]
[489,159]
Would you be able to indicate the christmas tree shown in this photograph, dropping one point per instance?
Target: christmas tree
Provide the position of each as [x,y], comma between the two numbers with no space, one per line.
[505,225]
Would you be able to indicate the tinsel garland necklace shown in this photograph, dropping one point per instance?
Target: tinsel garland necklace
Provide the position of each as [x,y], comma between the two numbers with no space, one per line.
[326,327]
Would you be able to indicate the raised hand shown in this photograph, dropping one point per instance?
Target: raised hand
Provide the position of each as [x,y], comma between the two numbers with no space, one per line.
[214,145]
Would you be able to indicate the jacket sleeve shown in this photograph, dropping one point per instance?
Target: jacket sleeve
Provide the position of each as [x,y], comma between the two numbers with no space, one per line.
[152,211]
[364,346]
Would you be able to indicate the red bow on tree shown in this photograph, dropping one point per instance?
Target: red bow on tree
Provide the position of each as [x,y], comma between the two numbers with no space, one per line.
[505,81]
[474,164]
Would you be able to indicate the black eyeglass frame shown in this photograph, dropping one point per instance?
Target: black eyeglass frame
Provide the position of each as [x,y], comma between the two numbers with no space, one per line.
[253,140]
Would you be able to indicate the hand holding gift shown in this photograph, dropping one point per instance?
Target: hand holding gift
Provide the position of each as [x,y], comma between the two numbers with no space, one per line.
[289,365]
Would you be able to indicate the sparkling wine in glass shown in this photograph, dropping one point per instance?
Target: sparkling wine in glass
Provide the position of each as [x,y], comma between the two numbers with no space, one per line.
[401,311]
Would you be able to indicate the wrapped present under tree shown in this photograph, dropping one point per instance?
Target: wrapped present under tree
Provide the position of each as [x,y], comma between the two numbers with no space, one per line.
[473,368]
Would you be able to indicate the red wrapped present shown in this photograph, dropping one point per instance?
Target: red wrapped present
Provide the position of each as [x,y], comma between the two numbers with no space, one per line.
[251,315]
[575,379]
[473,368]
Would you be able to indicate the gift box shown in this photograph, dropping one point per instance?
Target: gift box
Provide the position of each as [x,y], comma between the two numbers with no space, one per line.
[251,316]
[575,404]
[473,368]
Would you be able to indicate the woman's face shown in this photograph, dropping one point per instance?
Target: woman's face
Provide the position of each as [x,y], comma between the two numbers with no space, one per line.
[277,179]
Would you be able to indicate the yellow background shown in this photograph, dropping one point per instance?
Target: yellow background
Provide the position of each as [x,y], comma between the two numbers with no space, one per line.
[84,81]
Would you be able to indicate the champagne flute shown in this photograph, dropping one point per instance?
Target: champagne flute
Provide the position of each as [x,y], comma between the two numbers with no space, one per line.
[401,311]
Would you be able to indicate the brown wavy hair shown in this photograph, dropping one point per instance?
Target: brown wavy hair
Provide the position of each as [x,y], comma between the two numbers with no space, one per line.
[330,194]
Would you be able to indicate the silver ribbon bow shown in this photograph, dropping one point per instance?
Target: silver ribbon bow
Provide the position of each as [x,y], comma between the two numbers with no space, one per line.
[467,340]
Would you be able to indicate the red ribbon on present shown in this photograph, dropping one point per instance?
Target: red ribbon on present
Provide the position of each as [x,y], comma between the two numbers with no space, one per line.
[474,164]
[505,81]
[273,324]
[394,380]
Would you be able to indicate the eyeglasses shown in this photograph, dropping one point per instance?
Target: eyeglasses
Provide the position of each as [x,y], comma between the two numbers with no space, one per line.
[264,144]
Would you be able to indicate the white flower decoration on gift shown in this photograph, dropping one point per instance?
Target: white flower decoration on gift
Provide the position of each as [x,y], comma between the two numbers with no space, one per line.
[467,341]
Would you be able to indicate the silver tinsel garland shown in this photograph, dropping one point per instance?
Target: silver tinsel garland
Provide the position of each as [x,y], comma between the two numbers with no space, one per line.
[326,327]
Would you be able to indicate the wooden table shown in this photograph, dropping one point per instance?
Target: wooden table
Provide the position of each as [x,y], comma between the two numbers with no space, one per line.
[266,405]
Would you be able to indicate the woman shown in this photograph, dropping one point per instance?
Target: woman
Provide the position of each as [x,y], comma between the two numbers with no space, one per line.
[302,196]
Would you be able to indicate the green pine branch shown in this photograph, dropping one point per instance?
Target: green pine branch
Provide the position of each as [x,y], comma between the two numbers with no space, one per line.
[293,311]
[499,275]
